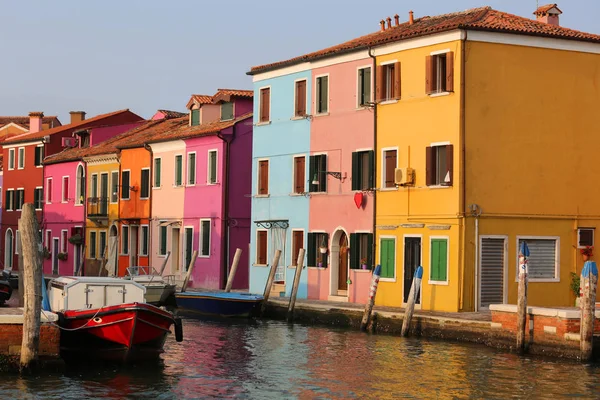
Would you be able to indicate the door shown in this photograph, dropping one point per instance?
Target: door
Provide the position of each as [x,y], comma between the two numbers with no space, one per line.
[188,234]
[175,249]
[103,194]
[55,250]
[8,250]
[76,258]
[491,281]
[343,263]
[133,245]
[412,259]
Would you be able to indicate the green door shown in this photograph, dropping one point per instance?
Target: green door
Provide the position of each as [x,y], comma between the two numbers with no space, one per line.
[388,258]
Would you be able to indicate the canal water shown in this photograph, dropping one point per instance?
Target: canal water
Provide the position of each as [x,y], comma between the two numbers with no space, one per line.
[274,360]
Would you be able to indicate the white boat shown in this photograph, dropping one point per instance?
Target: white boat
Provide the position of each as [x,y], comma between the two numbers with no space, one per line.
[158,288]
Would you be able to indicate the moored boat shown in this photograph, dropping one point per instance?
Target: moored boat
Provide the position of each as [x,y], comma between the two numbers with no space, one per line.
[5,291]
[158,288]
[219,304]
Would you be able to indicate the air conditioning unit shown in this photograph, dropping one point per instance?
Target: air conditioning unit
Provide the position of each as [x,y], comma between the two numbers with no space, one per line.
[69,142]
[404,176]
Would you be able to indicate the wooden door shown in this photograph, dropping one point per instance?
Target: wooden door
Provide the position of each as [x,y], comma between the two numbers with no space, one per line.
[343,263]
[412,259]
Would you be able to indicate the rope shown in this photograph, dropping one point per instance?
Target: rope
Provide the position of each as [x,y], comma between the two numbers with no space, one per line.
[74,329]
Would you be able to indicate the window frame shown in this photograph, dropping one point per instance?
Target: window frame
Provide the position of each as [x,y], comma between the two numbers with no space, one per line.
[12,156]
[124,243]
[432,164]
[64,248]
[188,169]
[383,168]
[175,171]
[48,238]
[142,197]
[93,244]
[156,176]
[21,158]
[79,190]
[579,229]
[431,281]
[360,87]
[94,186]
[162,225]
[128,171]
[209,168]
[439,79]
[556,258]
[192,116]
[232,111]
[144,236]
[102,249]
[318,79]
[64,179]
[294,254]
[41,197]
[201,235]
[256,259]
[41,164]
[19,207]
[321,175]
[296,103]
[261,119]
[10,205]
[112,175]
[357,182]
[380,247]
[258,179]
[294,183]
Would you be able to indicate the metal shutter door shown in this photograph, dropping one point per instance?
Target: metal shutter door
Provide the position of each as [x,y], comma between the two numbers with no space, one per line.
[492,271]
[542,258]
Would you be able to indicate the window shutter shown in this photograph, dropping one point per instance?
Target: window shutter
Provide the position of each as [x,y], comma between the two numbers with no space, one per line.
[397,77]
[429,74]
[263,177]
[450,162]
[264,105]
[325,257]
[435,260]
[366,86]
[369,250]
[195,117]
[354,251]
[311,259]
[262,247]
[355,172]
[299,167]
[450,71]
[379,83]
[301,98]
[430,172]
[390,168]
[371,170]
[311,173]
[323,168]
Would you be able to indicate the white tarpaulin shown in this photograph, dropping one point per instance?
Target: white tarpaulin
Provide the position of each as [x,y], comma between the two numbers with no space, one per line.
[112,256]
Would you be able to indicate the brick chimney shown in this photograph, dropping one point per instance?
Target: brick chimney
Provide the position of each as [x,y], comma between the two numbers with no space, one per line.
[35,121]
[548,14]
[382,24]
[389,22]
[396,20]
[411,17]
[77,116]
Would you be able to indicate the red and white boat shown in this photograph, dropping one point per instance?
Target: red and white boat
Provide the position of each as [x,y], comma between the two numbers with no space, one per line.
[106,318]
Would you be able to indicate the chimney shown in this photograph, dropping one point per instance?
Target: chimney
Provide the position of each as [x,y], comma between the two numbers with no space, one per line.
[411,18]
[548,14]
[389,21]
[77,116]
[382,23]
[35,121]
[396,20]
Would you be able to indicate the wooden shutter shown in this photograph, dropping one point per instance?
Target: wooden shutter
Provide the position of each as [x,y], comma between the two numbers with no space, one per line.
[450,162]
[379,88]
[261,257]
[390,168]
[312,170]
[298,239]
[429,77]
[195,117]
[355,172]
[323,175]
[430,166]
[299,174]
[265,95]
[311,248]
[397,77]
[371,169]
[369,249]
[354,251]
[439,259]
[301,98]
[450,71]
[263,177]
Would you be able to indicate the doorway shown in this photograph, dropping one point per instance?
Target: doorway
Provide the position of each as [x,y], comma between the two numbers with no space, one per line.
[133,245]
[343,265]
[492,262]
[412,259]
[188,244]
[55,250]
[175,250]
[8,250]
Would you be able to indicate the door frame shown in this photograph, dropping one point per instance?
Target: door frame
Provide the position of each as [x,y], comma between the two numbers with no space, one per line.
[334,259]
[184,248]
[504,270]
[176,253]
[55,251]
[420,237]
[134,241]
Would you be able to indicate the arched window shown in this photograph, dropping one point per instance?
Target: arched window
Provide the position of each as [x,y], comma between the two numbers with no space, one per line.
[80,185]
[8,249]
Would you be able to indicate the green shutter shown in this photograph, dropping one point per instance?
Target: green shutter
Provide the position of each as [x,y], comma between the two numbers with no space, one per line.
[367,85]
[354,250]
[324,257]
[369,250]
[195,117]
[439,260]
[178,170]
[311,173]
[387,258]
[157,172]
[371,167]
[322,169]
[311,259]
[355,172]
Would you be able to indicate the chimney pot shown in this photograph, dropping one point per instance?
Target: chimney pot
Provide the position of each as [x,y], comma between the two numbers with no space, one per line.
[548,14]
[396,20]
[382,24]
[35,121]
[389,22]
[77,116]
[411,18]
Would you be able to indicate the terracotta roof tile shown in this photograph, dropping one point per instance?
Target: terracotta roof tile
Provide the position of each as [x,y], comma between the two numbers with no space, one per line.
[24,120]
[484,18]
[151,131]
[172,114]
[200,99]
[545,9]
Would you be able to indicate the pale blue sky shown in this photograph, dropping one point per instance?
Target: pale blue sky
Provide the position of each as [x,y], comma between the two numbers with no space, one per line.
[102,55]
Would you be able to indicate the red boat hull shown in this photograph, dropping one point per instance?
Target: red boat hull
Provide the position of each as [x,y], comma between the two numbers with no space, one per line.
[124,332]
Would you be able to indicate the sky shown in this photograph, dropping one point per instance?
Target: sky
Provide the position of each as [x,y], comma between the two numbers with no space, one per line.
[104,55]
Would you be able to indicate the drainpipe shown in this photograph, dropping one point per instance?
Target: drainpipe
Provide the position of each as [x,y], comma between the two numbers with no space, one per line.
[463,191]
[225,221]
[374,154]
[476,263]
[149,149]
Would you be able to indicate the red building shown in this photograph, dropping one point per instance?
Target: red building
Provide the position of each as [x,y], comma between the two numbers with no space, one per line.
[23,169]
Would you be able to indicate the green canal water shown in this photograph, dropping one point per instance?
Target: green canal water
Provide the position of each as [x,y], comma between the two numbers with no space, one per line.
[273,360]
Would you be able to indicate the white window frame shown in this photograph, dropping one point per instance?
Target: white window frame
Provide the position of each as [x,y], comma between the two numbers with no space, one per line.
[62,194]
[184,247]
[256,248]
[121,186]
[19,207]
[123,227]
[438,80]
[317,94]
[304,237]
[78,189]
[433,146]
[429,279]
[233,111]
[141,247]
[382,156]
[358,88]
[12,203]
[188,169]
[294,174]
[385,99]
[21,158]
[41,197]
[201,231]
[556,261]
[579,236]
[111,186]
[505,269]
[258,177]
[99,248]
[208,167]
[395,257]
[95,257]
[63,241]
[11,156]
[294,116]
[149,183]
[260,121]
[183,177]
[17,242]
[154,175]
[41,158]
[162,224]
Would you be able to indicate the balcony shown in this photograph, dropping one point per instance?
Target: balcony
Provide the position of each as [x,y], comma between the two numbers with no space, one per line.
[97,208]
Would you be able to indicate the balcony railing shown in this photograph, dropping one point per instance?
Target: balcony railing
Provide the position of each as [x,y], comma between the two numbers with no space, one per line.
[97,207]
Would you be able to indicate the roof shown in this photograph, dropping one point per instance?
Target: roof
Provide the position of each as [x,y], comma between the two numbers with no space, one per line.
[151,131]
[24,120]
[172,114]
[483,19]
[200,99]
[544,9]
[221,95]
[27,137]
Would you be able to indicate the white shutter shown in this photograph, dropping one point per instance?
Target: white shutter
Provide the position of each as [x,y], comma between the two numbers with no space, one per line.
[542,258]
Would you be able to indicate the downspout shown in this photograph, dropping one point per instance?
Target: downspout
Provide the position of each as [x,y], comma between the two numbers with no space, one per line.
[149,149]
[374,155]
[225,222]
[463,190]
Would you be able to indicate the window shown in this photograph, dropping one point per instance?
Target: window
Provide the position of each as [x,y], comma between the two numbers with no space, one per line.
[314,256]
[17,242]
[263,177]
[439,260]
[80,185]
[102,246]
[48,238]
[157,172]
[65,189]
[439,160]
[261,247]
[297,244]
[361,246]
[49,191]
[93,244]
[145,183]
[363,170]
[265,105]
[38,198]
[63,241]
[300,100]
[84,139]
[387,257]
[364,86]
[195,117]
[21,160]
[114,186]
[212,166]
[144,240]
[191,169]
[226,111]
[390,163]
[11,158]
[388,82]
[162,238]
[39,155]
[19,198]
[124,185]
[317,173]
[322,100]
[125,240]
[94,186]
[585,237]
[299,174]
[10,200]
[543,260]
[439,73]
[178,170]
[205,237]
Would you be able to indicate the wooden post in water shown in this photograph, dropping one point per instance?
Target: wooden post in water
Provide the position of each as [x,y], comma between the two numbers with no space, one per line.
[233,269]
[20,277]
[189,271]
[522,299]
[372,293]
[270,280]
[299,265]
[412,299]
[589,280]
[32,283]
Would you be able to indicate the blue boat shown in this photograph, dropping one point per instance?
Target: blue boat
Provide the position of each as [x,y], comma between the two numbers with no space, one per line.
[219,304]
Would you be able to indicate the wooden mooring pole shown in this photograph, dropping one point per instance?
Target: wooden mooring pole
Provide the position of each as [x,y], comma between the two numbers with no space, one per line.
[299,265]
[233,269]
[589,280]
[372,293]
[412,299]
[522,299]
[32,284]
[189,271]
[270,280]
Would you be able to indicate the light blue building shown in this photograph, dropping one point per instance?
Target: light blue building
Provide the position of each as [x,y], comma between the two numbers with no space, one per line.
[280,154]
